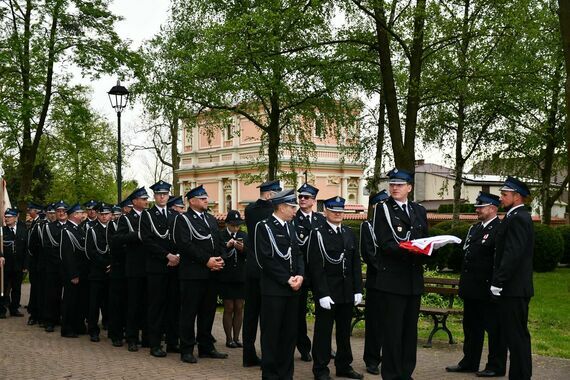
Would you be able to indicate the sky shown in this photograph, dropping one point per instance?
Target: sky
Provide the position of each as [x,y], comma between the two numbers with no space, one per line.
[142,20]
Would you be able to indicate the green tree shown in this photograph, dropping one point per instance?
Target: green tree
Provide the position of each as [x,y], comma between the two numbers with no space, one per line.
[269,62]
[35,38]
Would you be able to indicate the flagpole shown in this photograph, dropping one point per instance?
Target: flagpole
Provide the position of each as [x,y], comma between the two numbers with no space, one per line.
[2,233]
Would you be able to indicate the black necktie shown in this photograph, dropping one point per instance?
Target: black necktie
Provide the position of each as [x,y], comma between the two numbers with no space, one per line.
[12,230]
[338,230]
[164,212]
[203,216]
[404,208]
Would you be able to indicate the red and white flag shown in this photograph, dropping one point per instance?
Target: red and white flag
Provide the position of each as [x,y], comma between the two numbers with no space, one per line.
[426,246]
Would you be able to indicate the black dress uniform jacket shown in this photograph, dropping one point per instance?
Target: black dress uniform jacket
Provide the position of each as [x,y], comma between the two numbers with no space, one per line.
[72,247]
[155,237]
[254,213]
[369,254]
[195,253]
[15,248]
[276,270]
[514,252]
[303,228]
[338,280]
[400,271]
[234,260]
[118,256]
[477,269]
[128,237]
[98,251]
[50,259]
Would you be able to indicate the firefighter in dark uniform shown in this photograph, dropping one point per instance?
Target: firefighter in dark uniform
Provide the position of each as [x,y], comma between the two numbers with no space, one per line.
[400,275]
[90,208]
[305,221]
[254,213]
[34,250]
[127,236]
[97,250]
[15,262]
[162,273]
[480,314]
[50,262]
[197,240]
[72,249]
[512,276]
[334,265]
[176,205]
[282,271]
[117,281]
[370,255]
[232,278]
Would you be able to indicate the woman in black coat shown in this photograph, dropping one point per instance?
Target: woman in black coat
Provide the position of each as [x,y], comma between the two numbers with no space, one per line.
[232,277]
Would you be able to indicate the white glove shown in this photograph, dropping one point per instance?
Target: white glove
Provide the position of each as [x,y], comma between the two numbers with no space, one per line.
[357,298]
[326,302]
[496,291]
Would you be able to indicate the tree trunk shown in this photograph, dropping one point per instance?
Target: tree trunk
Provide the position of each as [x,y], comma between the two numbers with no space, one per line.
[374,184]
[174,127]
[564,17]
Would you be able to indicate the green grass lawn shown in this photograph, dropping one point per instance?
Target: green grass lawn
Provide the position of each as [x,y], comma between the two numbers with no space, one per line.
[549,319]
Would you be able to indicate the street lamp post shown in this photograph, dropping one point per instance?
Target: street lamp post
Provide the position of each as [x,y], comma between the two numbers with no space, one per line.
[119,97]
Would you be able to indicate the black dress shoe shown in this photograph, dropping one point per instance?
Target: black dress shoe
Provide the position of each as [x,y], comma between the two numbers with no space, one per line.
[16,313]
[373,369]
[238,343]
[351,374]
[174,349]
[157,352]
[231,344]
[488,373]
[69,335]
[94,338]
[117,343]
[306,357]
[188,358]
[458,368]
[252,362]
[32,322]
[49,328]
[213,355]
[133,347]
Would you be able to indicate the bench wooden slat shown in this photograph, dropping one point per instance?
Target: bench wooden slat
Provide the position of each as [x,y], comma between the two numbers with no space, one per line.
[441,290]
[440,311]
[441,281]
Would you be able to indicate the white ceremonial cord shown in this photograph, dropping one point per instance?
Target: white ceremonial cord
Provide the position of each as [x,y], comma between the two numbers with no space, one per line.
[95,242]
[50,237]
[195,234]
[74,241]
[274,248]
[131,229]
[255,246]
[389,220]
[468,240]
[153,228]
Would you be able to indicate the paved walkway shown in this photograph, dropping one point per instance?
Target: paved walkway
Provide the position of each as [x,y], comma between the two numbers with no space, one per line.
[27,352]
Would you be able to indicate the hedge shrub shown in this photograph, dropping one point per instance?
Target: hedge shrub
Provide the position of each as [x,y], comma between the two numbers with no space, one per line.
[548,248]
[451,255]
[463,208]
[565,232]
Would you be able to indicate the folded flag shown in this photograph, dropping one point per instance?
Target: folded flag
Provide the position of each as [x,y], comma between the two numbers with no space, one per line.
[426,246]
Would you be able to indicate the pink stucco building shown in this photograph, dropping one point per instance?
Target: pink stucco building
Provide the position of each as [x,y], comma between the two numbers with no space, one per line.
[220,160]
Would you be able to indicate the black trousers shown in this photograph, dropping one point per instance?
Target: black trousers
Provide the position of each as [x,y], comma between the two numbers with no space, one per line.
[118,305]
[341,316]
[84,294]
[52,288]
[136,309]
[480,316]
[251,313]
[33,302]
[513,313]
[71,320]
[400,335]
[12,291]
[98,298]
[197,307]
[303,341]
[163,306]
[278,336]
[373,329]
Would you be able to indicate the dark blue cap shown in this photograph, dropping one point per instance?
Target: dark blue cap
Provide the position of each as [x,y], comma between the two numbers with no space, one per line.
[270,186]
[60,205]
[175,201]
[74,208]
[400,176]
[11,212]
[378,197]
[285,196]
[126,202]
[161,187]
[103,208]
[234,217]
[50,207]
[90,205]
[514,184]
[486,199]
[197,192]
[139,193]
[335,204]
[116,209]
[307,189]
[35,206]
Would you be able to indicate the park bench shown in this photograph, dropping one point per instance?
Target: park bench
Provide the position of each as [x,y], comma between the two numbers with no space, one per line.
[448,288]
